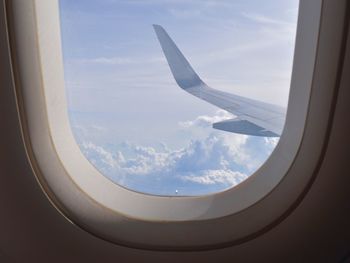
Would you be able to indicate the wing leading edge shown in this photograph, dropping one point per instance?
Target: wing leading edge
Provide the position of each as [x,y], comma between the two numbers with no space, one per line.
[253,117]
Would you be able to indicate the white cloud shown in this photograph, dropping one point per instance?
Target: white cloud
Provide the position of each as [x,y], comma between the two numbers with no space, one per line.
[218,160]
[98,128]
[207,121]
[176,2]
[208,161]
[271,141]
[279,30]
[100,157]
[227,177]
[268,33]
[120,60]
[110,61]
[262,19]
[185,13]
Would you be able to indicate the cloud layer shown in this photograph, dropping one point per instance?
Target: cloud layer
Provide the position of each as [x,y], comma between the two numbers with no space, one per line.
[209,164]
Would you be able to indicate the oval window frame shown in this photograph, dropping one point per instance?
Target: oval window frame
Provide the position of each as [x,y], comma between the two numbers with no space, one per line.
[94,203]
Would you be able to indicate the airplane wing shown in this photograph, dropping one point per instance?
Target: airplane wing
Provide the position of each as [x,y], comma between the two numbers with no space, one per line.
[253,117]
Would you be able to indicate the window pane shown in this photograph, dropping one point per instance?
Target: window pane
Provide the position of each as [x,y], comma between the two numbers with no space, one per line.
[133,121]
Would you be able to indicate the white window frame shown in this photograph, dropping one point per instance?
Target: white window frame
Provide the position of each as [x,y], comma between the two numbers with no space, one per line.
[91,201]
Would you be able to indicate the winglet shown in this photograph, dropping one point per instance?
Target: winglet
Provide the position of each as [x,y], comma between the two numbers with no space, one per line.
[182,71]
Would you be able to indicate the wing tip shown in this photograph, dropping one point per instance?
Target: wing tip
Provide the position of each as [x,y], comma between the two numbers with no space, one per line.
[157,27]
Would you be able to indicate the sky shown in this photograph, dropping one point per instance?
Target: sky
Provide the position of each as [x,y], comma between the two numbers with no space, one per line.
[130,118]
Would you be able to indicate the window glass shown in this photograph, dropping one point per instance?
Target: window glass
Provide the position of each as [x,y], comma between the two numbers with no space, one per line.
[133,121]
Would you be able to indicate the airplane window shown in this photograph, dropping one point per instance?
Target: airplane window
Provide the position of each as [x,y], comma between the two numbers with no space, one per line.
[177,97]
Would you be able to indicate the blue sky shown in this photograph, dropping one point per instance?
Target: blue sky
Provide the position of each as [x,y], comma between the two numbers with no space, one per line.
[129,116]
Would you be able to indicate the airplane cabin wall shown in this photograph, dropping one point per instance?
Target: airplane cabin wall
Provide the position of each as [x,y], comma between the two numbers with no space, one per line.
[32,230]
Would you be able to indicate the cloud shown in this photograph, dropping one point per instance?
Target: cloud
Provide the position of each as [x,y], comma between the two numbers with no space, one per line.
[185,13]
[272,141]
[175,2]
[262,19]
[103,160]
[110,61]
[273,28]
[207,121]
[213,163]
[120,60]
[202,162]
[268,33]
[217,176]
